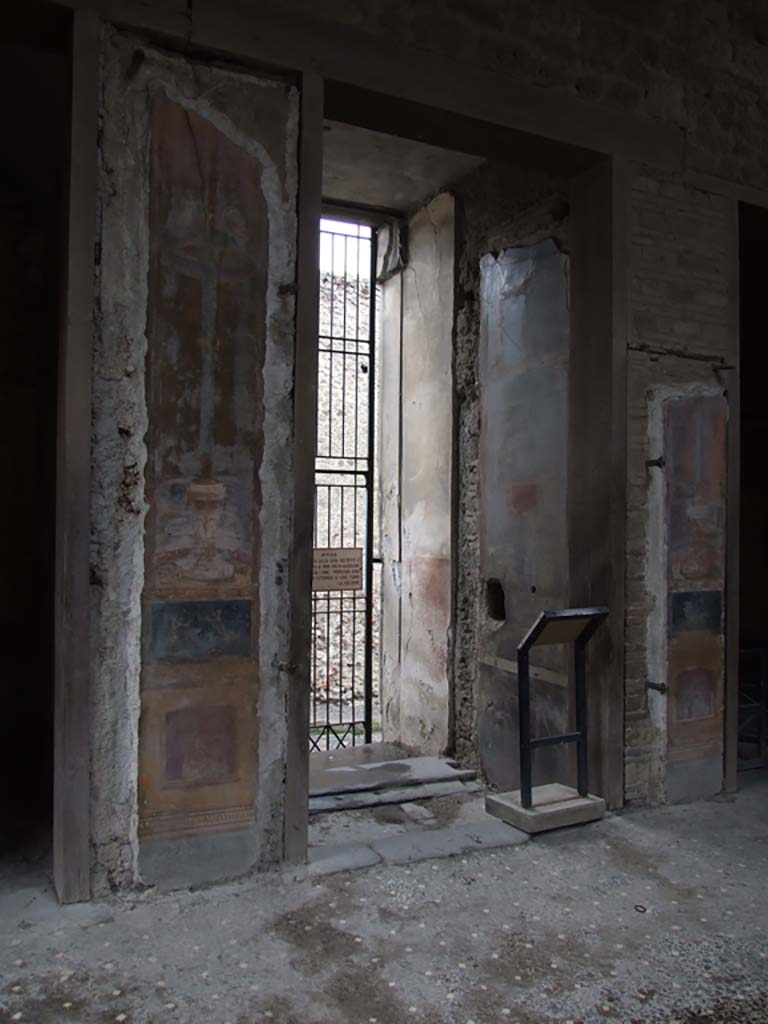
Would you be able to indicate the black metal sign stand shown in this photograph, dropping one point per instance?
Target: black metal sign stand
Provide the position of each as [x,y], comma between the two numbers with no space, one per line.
[571,625]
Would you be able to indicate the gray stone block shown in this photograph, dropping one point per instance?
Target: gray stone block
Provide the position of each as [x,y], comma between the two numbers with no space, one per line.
[415,846]
[446,842]
[490,834]
[327,860]
[554,806]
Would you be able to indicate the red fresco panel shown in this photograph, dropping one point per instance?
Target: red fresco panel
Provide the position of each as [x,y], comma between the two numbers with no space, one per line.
[695,474]
[209,235]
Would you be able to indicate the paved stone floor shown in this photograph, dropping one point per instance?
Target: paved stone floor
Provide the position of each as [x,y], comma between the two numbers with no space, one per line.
[647,916]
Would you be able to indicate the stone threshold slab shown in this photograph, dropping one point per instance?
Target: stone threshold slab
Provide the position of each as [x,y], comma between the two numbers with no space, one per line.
[409,771]
[381,797]
[411,847]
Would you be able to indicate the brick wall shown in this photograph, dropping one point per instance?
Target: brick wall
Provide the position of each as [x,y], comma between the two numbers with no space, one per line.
[700,66]
[681,332]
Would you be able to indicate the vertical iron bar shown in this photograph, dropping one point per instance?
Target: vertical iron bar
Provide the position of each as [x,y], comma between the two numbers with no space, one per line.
[345,300]
[580,688]
[328,636]
[524,710]
[356,446]
[369,496]
[339,599]
[331,348]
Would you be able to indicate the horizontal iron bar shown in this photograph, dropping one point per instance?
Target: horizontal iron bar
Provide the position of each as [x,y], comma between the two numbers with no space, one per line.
[344,354]
[551,741]
[360,346]
[374,216]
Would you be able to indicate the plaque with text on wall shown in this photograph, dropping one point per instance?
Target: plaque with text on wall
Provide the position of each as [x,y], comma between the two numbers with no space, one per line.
[337,569]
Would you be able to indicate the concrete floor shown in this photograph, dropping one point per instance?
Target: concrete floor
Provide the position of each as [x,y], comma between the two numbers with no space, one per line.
[657,915]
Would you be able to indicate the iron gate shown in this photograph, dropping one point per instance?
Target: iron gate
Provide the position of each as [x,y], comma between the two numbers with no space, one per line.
[342,626]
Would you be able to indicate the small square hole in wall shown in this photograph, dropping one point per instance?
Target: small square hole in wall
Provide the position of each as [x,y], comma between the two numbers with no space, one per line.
[495,602]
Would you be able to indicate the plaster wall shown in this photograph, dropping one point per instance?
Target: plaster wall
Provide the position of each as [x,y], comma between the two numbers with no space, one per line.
[416,474]
[427,474]
[389,455]
[524,382]
[140,457]
[500,206]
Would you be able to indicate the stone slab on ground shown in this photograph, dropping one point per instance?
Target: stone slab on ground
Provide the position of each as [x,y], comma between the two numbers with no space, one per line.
[410,771]
[367,824]
[554,806]
[490,835]
[328,860]
[363,753]
[412,847]
[397,795]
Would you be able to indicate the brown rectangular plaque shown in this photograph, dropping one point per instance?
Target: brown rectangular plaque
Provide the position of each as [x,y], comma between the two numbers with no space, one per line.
[337,569]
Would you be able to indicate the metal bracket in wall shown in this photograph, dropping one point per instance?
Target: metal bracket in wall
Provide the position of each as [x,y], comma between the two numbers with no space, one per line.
[659,463]
[659,687]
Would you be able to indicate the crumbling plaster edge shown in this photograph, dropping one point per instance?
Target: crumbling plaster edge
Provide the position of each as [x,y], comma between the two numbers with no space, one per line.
[119,455]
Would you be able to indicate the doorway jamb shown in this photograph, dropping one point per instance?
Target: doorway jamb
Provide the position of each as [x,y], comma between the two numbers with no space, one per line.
[71,790]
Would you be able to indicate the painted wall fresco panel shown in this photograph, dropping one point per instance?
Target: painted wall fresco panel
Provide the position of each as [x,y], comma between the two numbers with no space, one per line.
[695,609]
[207,316]
[198,629]
[523,367]
[695,448]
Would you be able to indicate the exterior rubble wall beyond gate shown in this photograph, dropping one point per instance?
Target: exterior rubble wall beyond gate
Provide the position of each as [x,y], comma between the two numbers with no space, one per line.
[691,137]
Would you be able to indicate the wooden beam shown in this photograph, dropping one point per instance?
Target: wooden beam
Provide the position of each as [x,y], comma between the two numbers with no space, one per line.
[71,796]
[304,444]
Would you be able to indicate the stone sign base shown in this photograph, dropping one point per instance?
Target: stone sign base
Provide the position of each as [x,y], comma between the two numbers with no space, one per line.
[554,806]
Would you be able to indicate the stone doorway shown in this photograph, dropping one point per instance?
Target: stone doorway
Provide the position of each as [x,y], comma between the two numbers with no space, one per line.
[32,241]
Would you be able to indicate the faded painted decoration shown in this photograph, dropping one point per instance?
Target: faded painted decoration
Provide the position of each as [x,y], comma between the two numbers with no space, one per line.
[209,235]
[523,373]
[200,175]
[695,447]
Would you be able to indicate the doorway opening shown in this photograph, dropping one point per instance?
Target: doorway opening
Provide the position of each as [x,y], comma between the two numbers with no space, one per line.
[382,587]
[346,589]
[448,197]
[753,526]
[35,51]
